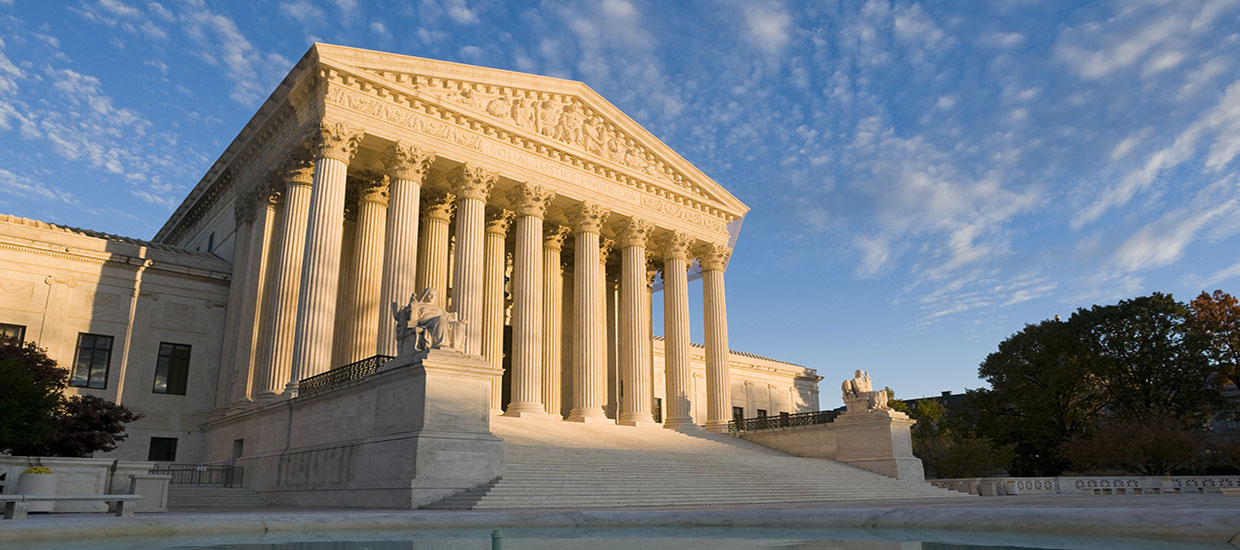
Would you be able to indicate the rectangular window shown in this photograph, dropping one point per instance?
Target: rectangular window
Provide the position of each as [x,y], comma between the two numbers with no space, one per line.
[163,449]
[761,413]
[738,413]
[172,369]
[16,332]
[94,354]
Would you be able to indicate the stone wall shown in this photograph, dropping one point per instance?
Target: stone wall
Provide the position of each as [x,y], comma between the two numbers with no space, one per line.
[878,441]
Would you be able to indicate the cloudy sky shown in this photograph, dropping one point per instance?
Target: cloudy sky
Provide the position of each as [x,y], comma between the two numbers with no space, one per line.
[924,180]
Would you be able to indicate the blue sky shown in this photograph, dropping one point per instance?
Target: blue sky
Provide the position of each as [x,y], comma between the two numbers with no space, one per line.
[925,178]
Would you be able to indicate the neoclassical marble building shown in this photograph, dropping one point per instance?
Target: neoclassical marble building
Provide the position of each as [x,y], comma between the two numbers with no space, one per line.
[544,217]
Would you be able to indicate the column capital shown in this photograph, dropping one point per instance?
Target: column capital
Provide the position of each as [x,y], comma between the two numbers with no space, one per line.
[472,182]
[245,206]
[273,190]
[297,172]
[713,256]
[334,140]
[633,232]
[497,221]
[530,200]
[605,246]
[373,187]
[676,245]
[587,217]
[553,237]
[407,162]
[438,204]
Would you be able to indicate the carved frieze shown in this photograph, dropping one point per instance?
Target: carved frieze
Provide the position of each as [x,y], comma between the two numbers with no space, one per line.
[388,112]
[16,289]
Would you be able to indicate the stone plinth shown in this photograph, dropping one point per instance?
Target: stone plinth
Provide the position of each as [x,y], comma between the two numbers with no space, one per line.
[878,441]
[413,433]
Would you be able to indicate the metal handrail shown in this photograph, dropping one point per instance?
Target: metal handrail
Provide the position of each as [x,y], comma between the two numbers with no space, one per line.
[340,376]
[783,420]
[202,474]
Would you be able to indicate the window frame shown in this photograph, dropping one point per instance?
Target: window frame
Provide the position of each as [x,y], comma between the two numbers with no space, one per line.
[21,330]
[150,449]
[91,367]
[164,365]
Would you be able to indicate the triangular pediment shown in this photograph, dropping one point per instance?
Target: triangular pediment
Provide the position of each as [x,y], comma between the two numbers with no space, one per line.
[562,113]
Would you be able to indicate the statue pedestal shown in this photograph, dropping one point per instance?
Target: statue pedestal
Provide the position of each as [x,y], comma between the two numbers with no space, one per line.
[878,441]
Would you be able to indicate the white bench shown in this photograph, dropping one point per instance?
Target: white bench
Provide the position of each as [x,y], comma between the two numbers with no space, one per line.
[15,506]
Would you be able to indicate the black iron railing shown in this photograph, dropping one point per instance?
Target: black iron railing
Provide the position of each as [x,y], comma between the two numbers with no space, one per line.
[220,475]
[783,420]
[340,376]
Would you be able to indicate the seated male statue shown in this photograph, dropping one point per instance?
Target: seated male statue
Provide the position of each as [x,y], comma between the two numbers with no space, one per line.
[859,394]
[422,325]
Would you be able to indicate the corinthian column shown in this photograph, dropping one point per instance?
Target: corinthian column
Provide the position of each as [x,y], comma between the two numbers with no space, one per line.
[432,273]
[635,368]
[676,331]
[589,367]
[471,184]
[493,266]
[552,312]
[298,176]
[714,260]
[530,202]
[334,146]
[262,205]
[406,166]
[238,293]
[361,329]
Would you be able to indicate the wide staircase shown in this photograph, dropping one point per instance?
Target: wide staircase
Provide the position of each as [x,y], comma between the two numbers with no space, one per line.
[551,464]
[196,496]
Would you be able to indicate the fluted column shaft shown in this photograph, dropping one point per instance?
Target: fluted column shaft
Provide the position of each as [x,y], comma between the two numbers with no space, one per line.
[287,282]
[433,248]
[715,314]
[493,267]
[249,318]
[230,374]
[320,273]
[589,369]
[530,202]
[635,367]
[362,329]
[471,185]
[552,312]
[406,166]
[676,334]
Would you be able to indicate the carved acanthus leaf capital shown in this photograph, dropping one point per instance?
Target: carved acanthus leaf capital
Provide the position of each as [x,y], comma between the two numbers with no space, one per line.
[530,200]
[497,221]
[587,217]
[633,232]
[408,162]
[373,187]
[273,190]
[472,182]
[297,172]
[714,257]
[438,204]
[553,237]
[245,206]
[605,247]
[676,246]
[334,140]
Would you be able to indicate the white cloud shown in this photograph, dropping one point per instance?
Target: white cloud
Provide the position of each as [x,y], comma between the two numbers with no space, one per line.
[303,11]
[767,25]
[1163,241]
[1004,39]
[220,43]
[946,102]
[459,12]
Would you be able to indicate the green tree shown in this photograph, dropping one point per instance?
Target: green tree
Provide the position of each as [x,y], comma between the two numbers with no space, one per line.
[1042,392]
[1152,361]
[1149,447]
[36,418]
[30,394]
[948,449]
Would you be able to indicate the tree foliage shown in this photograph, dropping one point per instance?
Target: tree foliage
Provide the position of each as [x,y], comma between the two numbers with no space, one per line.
[37,419]
[1151,446]
[1218,316]
[948,449]
[1055,386]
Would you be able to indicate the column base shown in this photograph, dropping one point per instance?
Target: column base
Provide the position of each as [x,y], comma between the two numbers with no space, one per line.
[593,416]
[531,414]
[636,419]
[681,425]
[717,426]
[643,424]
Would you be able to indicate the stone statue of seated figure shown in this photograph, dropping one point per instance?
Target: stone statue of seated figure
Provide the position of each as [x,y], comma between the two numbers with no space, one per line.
[422,325]
[859,394]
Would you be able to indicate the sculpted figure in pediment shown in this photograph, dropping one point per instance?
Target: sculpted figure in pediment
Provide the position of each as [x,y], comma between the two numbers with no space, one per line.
[499,107]
[523,113]
[548,118]
[595,136]
[571,125]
